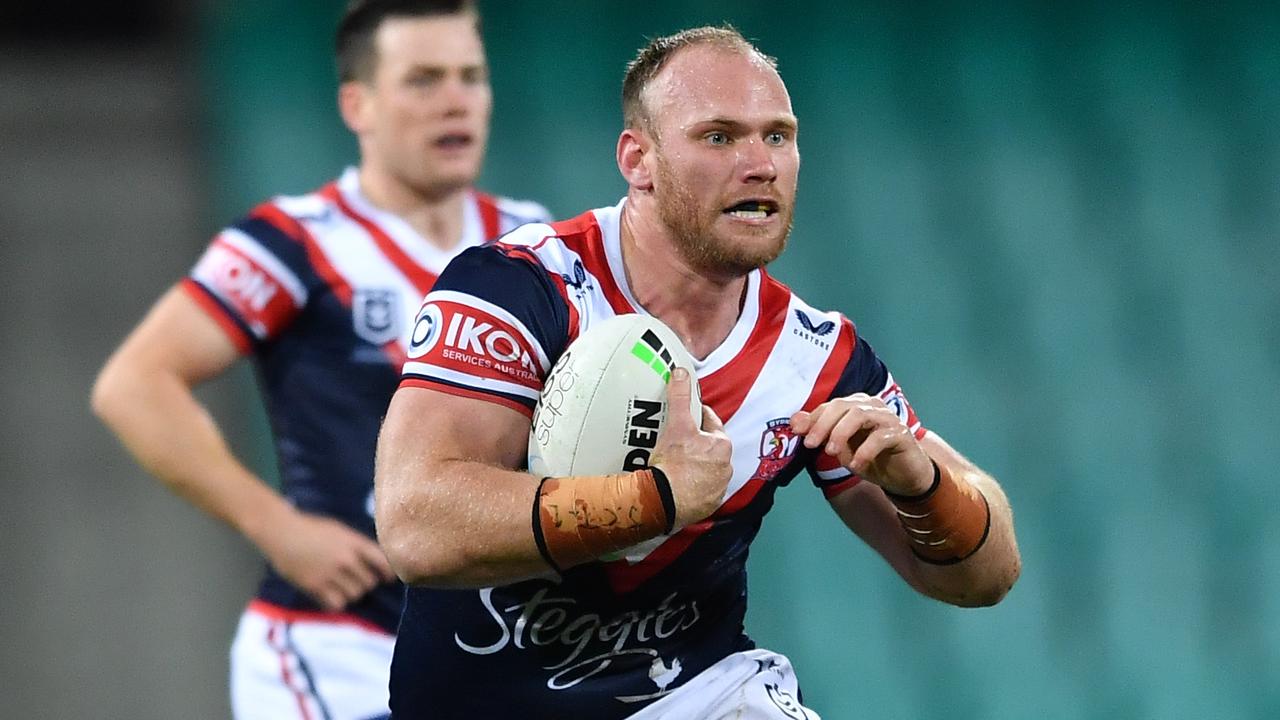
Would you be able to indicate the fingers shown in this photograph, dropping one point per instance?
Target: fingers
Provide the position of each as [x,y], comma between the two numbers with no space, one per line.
[363,569]
[678,392]
[334,564]
[357,570]
[710,421]
[330,598]
[870,449]
[839,427]
[848,431]
[821,421]
[376,560]
[349,583]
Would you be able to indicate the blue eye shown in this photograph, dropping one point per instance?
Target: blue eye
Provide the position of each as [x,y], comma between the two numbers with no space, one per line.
[718,138]
[775,138]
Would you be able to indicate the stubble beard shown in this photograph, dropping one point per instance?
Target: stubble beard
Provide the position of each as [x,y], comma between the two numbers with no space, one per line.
[694,235]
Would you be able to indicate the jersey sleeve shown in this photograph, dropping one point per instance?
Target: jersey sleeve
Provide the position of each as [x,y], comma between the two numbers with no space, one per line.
[489,329]
[253,277]
[863,373]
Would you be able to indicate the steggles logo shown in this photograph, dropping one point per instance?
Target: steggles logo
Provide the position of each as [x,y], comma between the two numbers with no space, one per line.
[589,643]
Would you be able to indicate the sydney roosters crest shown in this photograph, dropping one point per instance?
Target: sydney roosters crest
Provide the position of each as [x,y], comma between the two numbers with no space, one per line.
[777,445]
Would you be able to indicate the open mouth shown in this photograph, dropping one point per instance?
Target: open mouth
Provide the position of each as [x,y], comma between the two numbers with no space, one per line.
[752,209]
[453,141]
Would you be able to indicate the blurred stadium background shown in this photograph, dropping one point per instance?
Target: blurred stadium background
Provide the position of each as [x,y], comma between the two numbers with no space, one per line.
[1057,222]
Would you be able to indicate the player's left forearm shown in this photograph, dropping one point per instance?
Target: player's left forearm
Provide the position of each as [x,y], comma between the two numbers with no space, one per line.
[986,573]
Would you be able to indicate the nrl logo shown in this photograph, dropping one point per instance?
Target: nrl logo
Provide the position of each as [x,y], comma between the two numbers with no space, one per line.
[375,315]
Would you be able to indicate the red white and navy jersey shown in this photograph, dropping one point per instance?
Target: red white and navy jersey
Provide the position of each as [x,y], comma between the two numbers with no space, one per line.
[610,637]
[322,290]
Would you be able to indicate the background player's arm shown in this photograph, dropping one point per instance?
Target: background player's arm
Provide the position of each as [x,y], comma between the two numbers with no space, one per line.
[981,579]
[144,394]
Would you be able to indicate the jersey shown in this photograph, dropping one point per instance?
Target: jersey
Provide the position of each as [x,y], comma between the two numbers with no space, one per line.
[321,290]
[608,638]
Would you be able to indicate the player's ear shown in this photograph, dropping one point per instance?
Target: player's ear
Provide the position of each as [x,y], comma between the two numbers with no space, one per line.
[353,105]
[634,156]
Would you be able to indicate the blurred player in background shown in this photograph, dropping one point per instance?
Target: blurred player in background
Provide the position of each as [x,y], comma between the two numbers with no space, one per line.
[519,605]
[321,290]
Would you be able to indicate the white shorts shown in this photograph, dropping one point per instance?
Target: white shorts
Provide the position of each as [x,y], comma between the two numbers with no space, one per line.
[308,665]
[752,685]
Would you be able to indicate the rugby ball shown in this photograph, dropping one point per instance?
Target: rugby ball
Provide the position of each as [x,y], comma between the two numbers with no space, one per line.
[605,401]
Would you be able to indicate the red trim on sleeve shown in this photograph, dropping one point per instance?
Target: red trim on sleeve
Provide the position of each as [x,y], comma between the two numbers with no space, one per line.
[830,491]
[219,314]
[429,384]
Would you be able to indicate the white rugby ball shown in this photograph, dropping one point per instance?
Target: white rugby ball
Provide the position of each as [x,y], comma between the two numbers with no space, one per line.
[605,401]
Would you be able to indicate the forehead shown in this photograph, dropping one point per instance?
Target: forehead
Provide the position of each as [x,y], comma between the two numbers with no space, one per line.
[705,81]
[434,41]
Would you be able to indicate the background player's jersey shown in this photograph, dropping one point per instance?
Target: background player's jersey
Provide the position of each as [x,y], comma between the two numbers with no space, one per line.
[612,636]
[322,290]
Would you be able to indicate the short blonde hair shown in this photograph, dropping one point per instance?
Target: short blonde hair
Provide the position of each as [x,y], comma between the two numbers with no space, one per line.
[654,56]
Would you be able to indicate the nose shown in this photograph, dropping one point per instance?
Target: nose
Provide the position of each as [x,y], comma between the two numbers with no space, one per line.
[755,162]
[457,97]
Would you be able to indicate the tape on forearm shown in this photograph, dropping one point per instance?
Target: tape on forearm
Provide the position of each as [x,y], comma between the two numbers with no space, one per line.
[946,524]
[579,519]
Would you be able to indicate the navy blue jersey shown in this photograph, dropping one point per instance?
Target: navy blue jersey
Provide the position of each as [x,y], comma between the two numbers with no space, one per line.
[610,637]
[321,290]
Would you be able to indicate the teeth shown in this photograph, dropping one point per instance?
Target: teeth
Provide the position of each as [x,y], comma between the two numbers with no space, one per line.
[749,214]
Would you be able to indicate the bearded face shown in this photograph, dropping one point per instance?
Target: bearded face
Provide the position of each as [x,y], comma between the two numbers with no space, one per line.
[705,231]
[723,159]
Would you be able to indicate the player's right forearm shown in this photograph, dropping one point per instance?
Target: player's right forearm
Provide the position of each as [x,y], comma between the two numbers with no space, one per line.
[456,524]
[172,436]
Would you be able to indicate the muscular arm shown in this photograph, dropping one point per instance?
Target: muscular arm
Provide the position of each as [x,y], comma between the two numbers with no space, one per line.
[450,510]
[981,579]
[144,394]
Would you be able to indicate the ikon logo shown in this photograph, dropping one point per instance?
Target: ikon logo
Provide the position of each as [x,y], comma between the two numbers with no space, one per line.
[470,335]
[474,341]
[426,331]
[242,280]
